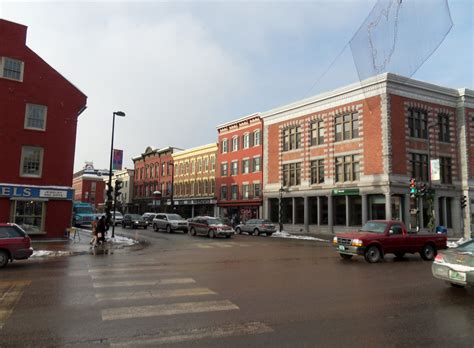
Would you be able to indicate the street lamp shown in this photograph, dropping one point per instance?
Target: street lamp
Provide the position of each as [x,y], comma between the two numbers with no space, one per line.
[156,194]
[280,207]
[109,189]
[172,185]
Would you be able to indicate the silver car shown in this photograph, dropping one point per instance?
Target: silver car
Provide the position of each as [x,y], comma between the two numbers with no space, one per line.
[256,227]
[170,223]
[456,265]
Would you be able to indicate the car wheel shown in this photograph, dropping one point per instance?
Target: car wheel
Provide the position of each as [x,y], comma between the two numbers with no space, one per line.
[193,231]
[428,252]
[373,254]
[155,228]
[211,234]
[256,232]
[459,286]
[3,258]
[168,229]
[346,256]
[238,230]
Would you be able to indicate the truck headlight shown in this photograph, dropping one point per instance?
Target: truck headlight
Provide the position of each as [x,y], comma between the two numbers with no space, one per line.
[334,240]
[357,242]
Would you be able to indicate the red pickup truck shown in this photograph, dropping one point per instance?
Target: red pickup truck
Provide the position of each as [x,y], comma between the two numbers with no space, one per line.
[14,244]
[379,237]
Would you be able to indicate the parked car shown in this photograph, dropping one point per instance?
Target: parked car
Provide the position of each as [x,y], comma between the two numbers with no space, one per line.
[209,226]
[256,227]
[149,217]
[118,217]
[455,265]
[170,223]
[134,221]
[14,244]
[379,237]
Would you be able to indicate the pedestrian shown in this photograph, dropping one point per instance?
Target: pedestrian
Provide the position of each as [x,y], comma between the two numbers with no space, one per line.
[101,228]
[95,224]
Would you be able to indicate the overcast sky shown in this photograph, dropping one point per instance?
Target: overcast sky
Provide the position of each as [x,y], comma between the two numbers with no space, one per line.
[178,69]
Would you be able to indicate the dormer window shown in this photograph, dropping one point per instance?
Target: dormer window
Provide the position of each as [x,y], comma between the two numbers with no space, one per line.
[11,69]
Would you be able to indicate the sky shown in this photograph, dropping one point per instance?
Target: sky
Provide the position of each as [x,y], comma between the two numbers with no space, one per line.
[180,68]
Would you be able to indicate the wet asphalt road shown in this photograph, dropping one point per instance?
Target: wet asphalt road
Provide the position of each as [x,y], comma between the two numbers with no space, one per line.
[183,291]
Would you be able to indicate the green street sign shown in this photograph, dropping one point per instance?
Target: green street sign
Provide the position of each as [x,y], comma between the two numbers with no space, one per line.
[346,192]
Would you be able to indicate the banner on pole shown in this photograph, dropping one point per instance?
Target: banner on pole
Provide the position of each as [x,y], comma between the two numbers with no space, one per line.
[435,172]
[117,159]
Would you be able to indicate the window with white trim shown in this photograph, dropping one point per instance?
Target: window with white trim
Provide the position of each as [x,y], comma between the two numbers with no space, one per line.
[246,141]
[31,161]
[35,117]
[245,166]
[235,144]
[234,192]
[225,146]
[234,168]
[256,164]
[256,138]
[12,69]
[29,215]
[245,191]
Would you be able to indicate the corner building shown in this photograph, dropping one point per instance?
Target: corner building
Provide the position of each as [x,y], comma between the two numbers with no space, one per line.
[240,171]
[39,110]
[195,181]
[341,158]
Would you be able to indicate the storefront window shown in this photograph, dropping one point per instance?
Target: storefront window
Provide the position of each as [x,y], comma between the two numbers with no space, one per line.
[397,208]
[377,207]
[355,211]
[323,201]
[29,215]
[313,210]
[273,209]
[339,210]
[299,210]
[287,211]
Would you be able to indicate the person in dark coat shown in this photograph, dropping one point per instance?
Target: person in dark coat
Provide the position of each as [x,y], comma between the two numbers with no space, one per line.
[101,229]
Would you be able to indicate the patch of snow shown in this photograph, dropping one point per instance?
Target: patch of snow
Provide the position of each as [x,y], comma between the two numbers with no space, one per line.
[50,253]
[457,243]
[122,240]
[284,234]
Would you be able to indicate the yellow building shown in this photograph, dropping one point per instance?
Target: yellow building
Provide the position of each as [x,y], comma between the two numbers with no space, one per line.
[195,181]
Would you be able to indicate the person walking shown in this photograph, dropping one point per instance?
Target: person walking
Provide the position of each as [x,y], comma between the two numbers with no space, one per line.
[101,228]
[95,224]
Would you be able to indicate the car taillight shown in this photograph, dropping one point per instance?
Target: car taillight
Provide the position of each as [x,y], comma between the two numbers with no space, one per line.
[439,258]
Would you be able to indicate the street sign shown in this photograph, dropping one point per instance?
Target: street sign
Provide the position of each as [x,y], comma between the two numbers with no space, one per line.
[346,192]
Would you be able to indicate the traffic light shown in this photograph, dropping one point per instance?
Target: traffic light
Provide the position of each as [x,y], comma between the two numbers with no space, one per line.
[422,190]
[118,187]
[463,202]
[109,192]
[413,190]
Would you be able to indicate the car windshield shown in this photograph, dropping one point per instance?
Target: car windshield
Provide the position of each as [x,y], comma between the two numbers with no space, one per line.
[266,222]
[174,217]
[374,227]
[135,217]
[467,247]
[83,210]
[215,222]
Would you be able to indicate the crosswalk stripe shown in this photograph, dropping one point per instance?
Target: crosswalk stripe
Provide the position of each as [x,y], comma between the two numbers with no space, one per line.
[203,246]
[126,269]
[113,284]
[127,275]
[166,309]
[10,294]
[251,328]
[155,294]
[223,245]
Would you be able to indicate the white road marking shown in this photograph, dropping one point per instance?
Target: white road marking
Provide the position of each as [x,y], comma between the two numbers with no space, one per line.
[128,275]
[167,309]
[153,294]
[203,246]
[113,284]
[10,294]
[177,336]
[126,269]
[223,245]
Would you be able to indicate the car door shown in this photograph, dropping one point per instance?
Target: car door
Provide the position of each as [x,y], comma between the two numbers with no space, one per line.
[247,227]
[126,220]
[395,241]
[12,239]
[163,221]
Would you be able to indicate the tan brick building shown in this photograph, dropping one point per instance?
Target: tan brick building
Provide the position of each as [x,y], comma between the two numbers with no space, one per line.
[346,156]
[195,181]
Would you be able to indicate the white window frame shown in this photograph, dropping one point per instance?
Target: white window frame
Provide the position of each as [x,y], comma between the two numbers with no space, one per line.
[2,64]
[27,108]
[26,175]
[225,145]
[246,141]
[255,143]
[235,143]
[254,169]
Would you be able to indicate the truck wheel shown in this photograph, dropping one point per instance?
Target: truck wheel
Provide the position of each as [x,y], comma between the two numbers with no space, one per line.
[346,256]
[373,254]
[256,232]
[3,258]
[168,229]
[428,252]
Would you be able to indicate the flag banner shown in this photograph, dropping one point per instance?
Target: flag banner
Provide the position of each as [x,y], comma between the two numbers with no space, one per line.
[435,170]
[117,160]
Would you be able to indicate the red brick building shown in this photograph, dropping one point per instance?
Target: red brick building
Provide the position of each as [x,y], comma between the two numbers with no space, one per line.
[346,156]
[89,186]
[153,171]
[239,168]
[39,111]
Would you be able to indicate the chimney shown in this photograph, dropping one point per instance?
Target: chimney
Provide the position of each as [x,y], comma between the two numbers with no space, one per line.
[12,33]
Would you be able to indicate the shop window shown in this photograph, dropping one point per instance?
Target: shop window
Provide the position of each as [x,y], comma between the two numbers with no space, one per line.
[35,117]
[287,210]
[355,211]
[339,203]
[273,209]
[313,210]
[29,215]
[31,161]
[377,207]
[397,208]
[299,210]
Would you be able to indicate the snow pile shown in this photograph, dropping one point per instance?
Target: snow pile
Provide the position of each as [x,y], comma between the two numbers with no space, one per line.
[457,243]
[50,253]
[284,234]
[122,240]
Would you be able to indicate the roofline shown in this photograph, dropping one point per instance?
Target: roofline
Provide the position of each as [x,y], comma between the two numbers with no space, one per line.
[195,149]
[245,118]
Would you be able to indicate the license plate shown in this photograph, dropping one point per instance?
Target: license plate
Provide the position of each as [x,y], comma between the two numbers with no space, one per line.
[457,275]
[342,248]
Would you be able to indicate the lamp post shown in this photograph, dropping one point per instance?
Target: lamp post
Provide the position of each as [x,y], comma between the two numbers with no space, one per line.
[430,192]
[172,185]
[109,189]
[280,207]
[156,194]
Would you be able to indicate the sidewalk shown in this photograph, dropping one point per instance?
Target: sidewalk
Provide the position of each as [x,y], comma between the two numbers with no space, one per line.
[80,245]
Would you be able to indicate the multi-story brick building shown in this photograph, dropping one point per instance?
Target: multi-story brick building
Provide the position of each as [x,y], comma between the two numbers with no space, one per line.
[39,110]
[125,200]
[239,168]
[195,181]
[89,185]
[153,171]
[342,157]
